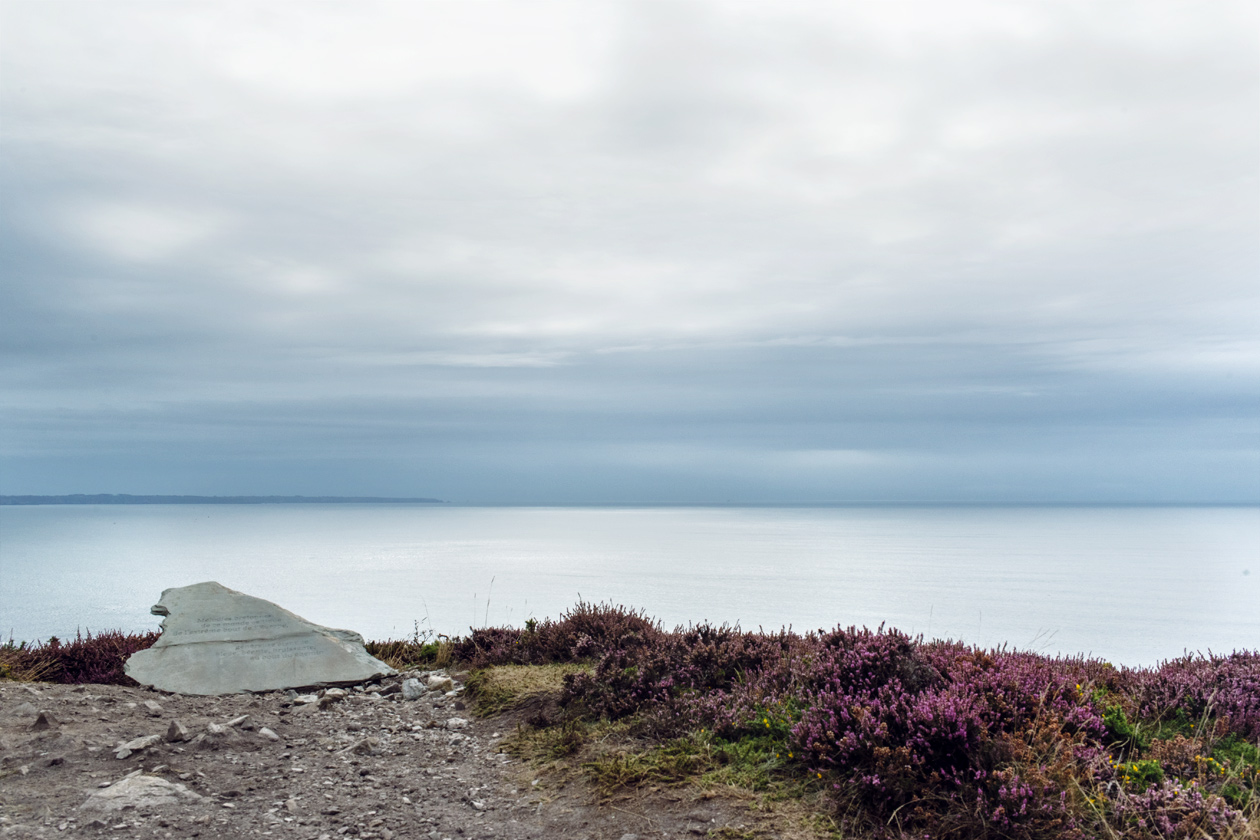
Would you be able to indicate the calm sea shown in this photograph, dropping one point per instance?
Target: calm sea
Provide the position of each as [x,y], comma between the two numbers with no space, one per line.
[1130,585]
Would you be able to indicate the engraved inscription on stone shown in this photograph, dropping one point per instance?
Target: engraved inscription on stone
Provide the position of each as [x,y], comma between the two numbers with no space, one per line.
[218,641]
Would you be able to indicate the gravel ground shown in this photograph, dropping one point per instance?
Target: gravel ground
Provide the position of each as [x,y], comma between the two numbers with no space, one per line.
[366,765]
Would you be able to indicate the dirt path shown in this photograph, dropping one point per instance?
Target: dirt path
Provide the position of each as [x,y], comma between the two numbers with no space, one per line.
[366,765]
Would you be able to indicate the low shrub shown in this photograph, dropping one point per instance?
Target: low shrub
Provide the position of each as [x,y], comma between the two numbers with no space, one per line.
[584,633]
[87,658]
[1223,688]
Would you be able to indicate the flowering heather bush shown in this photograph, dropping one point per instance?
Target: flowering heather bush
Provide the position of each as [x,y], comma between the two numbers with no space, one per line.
[1226,688]
[941,739]
[680,674]
[86,659]
[585,632]
[1171,811]
[992,739]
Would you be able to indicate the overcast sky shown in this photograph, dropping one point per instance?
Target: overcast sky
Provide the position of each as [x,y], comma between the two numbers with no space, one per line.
[650,251]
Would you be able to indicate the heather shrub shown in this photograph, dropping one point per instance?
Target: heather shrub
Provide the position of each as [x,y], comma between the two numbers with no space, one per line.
[583,633]
[1225,688]
[682,678]
[1171,811]
[87,658]
[949,740]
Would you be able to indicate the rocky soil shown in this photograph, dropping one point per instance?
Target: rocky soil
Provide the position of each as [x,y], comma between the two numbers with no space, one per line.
[109,761]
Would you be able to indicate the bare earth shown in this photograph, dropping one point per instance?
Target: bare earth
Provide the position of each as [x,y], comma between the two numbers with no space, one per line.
[369,765]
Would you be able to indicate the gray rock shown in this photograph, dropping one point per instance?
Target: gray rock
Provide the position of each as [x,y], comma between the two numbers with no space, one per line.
[269,734]
[456,723]
[139,792]
[46,720]
[153,707]
[135,745]
[25,710]
[176,732]
[218,641]
[412,690]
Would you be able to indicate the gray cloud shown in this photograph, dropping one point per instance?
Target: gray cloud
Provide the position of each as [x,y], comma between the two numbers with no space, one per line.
[632,251]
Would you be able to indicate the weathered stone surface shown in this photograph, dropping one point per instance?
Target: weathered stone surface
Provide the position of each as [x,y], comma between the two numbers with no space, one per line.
[138,792]
[135,745]
[412,690]
[218,641]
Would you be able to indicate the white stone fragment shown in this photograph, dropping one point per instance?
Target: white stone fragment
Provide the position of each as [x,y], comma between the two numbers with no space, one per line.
[139,792]
[439,683]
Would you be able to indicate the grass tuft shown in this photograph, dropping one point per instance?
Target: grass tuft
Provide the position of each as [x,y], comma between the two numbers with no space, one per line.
[502,687]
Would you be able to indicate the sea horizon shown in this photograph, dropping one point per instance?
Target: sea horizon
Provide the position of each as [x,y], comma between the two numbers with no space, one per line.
[16,500]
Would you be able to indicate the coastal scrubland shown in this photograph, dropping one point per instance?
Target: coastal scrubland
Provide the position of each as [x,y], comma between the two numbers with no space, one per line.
[848,732]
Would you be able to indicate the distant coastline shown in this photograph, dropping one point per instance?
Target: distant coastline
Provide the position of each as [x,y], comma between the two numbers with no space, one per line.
[128,499]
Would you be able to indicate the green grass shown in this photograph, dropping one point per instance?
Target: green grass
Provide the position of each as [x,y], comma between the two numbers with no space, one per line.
[756,764]
[1241,764]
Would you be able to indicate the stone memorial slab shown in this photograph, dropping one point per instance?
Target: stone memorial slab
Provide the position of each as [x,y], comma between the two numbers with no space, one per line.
[218,641]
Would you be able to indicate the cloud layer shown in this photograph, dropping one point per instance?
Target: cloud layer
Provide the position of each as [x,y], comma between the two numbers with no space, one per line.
[613,251]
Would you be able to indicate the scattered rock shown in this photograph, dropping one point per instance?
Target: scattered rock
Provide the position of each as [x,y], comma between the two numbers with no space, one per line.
[438,682]
[218,641]
[456,723]
[46,720]
[177,732]
[412,690]
[25,710]
[136,745]
[269,734]
[139,791]
[153,707]
[245,722]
